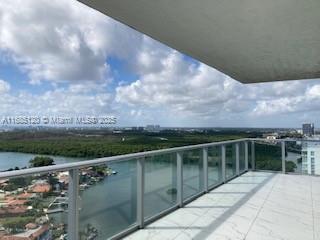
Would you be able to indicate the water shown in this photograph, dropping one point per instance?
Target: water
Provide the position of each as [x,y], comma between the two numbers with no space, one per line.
[110,205]
[13,159]
[293,157]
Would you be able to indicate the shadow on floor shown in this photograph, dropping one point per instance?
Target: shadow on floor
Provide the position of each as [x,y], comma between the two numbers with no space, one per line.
[226,190]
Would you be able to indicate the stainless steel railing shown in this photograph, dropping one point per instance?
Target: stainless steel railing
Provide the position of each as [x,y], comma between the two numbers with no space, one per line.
[73,169]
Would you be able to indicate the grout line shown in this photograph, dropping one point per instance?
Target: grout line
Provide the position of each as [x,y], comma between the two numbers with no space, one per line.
[261,207]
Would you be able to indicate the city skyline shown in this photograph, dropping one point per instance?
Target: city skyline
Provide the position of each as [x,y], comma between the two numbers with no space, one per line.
[72,60]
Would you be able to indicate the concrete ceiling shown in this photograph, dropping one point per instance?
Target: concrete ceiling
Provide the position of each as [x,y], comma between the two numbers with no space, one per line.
[249,40]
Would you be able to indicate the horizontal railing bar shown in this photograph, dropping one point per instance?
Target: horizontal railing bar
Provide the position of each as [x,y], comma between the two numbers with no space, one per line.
[193,197]
[99,161]
[210,188]
[283,140]
[125,232]
[125,157]
[161,214]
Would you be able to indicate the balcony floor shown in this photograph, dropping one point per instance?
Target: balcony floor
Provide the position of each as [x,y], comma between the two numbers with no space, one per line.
[254,206]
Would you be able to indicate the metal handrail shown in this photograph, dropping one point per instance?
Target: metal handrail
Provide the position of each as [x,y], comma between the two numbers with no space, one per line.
[73,168]
[99,161]
[124,157]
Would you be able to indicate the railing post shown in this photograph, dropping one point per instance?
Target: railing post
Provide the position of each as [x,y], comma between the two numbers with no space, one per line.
[237,159]
[283,156]
[246,156]
[140,192]
[223,158]
[73,205]
[179,179]
[205,169]
[253,156]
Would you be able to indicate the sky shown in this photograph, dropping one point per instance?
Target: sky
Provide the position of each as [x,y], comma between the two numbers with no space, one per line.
[61,58]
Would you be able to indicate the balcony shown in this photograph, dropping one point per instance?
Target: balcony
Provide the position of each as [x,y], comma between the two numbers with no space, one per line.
[255,205]
[240,189]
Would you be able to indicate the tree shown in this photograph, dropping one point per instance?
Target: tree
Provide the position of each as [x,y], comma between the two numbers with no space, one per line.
[15,183]
[16,225]
[41,161]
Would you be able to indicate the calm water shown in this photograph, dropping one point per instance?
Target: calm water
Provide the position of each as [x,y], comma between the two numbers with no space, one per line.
[294,158]
[12,159]
[110,205]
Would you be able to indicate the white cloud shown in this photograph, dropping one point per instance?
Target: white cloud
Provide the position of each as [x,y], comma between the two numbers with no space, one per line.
[200,93]
[61,40]
[183,86]
[4,87]
[313,92]
[60,102]
[307,99]
[197,90]
[67,42]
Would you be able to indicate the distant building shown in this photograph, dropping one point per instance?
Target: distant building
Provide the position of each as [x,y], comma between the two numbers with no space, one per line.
[140,129]
[32,232]
[41,188]
[4,183]
[117,131]
[310,157]
[271,136]
[308,129]
[13,211]
[153,128]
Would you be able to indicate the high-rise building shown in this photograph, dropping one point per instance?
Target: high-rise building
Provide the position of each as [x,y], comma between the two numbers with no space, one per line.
[310,157]
[153,128]
[308,129]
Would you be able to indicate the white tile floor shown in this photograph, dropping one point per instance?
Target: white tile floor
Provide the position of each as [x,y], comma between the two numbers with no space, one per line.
[255,206]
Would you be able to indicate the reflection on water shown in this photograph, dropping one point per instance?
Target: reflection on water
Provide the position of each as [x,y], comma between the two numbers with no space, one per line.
[296,158]
[20,160]
[109,206]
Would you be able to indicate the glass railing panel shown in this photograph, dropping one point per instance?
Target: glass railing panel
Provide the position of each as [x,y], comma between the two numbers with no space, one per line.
[108,199]
[310,157]
[249,155]
[34,206]
[242,160]
[268,155]
[214,166]
[295,161]
[160,184]
[230,160]
[192,172]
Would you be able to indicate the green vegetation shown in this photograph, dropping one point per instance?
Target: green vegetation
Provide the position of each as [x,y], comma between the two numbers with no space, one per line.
[15,183]
[101,170]
[268,157]
[293,147]
[16,224]
[103,143]
[96,144]
[41,161]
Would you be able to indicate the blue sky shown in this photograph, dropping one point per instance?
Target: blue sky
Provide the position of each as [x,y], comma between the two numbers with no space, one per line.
[62,58]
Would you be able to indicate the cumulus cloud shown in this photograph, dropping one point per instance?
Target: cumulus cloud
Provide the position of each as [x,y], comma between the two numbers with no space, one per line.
[4,86]
[68,45]
[60,102]
[199,90]
[61,40]
[307,99]
[183,86]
